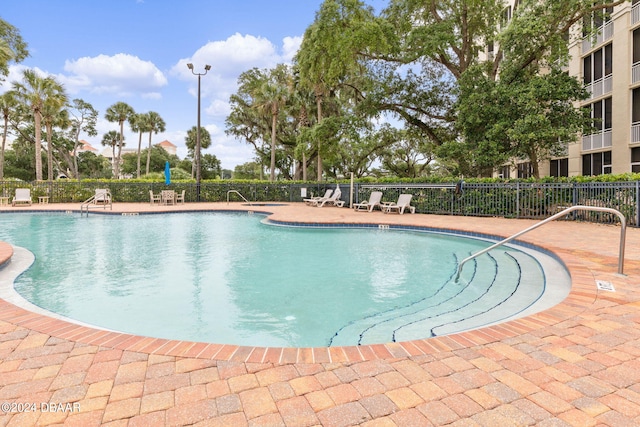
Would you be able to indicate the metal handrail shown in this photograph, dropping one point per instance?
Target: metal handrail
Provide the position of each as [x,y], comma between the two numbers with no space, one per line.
[238,193]
[623,233]
[105,199]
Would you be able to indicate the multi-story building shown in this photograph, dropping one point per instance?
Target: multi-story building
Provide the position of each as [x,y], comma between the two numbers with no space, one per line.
[609,66]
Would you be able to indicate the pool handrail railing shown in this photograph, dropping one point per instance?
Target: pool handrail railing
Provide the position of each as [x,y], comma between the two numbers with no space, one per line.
[238,193]
[623,233]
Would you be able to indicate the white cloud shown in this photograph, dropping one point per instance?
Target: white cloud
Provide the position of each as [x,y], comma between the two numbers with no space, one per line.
[290,46]
[228,59]
[120,74]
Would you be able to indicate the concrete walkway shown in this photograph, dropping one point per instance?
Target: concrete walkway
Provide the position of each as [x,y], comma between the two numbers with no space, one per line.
[575,364]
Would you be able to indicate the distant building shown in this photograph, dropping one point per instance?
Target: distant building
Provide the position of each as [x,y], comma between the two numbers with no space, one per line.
[169,147]
[85,146]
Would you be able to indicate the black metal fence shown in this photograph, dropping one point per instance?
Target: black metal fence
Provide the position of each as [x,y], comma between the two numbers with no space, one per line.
[511,200]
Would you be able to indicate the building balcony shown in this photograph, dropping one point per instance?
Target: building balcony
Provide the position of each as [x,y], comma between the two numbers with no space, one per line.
[598,140]
[635,14]
[635,132]
[601,86]
[605,32]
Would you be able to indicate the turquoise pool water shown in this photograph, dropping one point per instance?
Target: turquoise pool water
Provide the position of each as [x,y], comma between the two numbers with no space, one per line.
[229,278]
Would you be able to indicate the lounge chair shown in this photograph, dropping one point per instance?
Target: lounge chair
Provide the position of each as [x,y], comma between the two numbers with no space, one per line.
[155,199]
[22,197]
[371,204]
[400,206]
[334,200]
[180,197]
[314,200]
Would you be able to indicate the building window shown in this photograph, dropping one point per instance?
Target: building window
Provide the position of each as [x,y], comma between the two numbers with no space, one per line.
[636,45]
[506,17]
[596,163]
[525,170]
[559,167]
[505,172]
[601,113]
[596,19]
[598,64]
[635,159]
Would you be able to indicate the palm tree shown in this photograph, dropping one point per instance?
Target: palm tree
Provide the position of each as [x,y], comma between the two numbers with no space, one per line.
[139,123]
[191,141]
[112,139]
[54,114]
[119,113]
[270,97]
[34,91]
[7,105]
[155,124]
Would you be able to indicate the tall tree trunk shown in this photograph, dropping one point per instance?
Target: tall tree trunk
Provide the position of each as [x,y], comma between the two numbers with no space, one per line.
[4,142]
[38,120]
[533,158]
[49,152]
[304,165]
[149,153]
[139,153]
[319,105]
[274,122]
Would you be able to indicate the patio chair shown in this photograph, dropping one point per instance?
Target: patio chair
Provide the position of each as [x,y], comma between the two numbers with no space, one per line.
[312,201]
[22,197]
[168,197]
[155,199]
[180,197]
[371,204]
[400,206]
[334,200]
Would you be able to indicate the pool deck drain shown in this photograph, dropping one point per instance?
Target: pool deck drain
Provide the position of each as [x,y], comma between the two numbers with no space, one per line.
[575,364]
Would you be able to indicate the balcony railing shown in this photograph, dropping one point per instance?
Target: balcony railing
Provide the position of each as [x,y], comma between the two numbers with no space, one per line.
[601,86]
[635,14]
[598,140]
[605,32]
[635,132]
[635,72]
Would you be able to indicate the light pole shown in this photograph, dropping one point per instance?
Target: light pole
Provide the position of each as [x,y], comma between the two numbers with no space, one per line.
[198,145]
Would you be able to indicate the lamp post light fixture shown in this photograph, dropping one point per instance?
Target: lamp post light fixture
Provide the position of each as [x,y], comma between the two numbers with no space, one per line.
[198,144]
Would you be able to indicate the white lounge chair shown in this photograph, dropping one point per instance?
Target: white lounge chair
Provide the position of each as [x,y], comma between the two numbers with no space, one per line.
[155,199]
[22,197]
[400,206]
[371,204]
[334,200]
[313,200]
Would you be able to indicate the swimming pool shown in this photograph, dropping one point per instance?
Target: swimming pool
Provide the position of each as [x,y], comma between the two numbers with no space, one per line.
[228,278]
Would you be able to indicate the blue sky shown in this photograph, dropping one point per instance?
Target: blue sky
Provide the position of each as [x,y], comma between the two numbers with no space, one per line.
[136,51]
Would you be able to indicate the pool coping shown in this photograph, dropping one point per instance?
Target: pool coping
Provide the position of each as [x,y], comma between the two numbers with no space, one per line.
[582,295]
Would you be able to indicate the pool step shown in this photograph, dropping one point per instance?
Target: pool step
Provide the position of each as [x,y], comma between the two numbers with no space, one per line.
[505,299]
[477,300]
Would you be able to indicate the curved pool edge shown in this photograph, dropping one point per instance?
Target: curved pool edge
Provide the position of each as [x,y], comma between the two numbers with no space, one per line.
[582,295]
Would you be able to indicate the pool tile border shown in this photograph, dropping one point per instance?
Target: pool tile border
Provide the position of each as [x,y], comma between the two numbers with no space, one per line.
[582,295]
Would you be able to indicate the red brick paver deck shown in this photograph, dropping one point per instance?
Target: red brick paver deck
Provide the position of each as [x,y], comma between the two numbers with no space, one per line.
[575,364]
